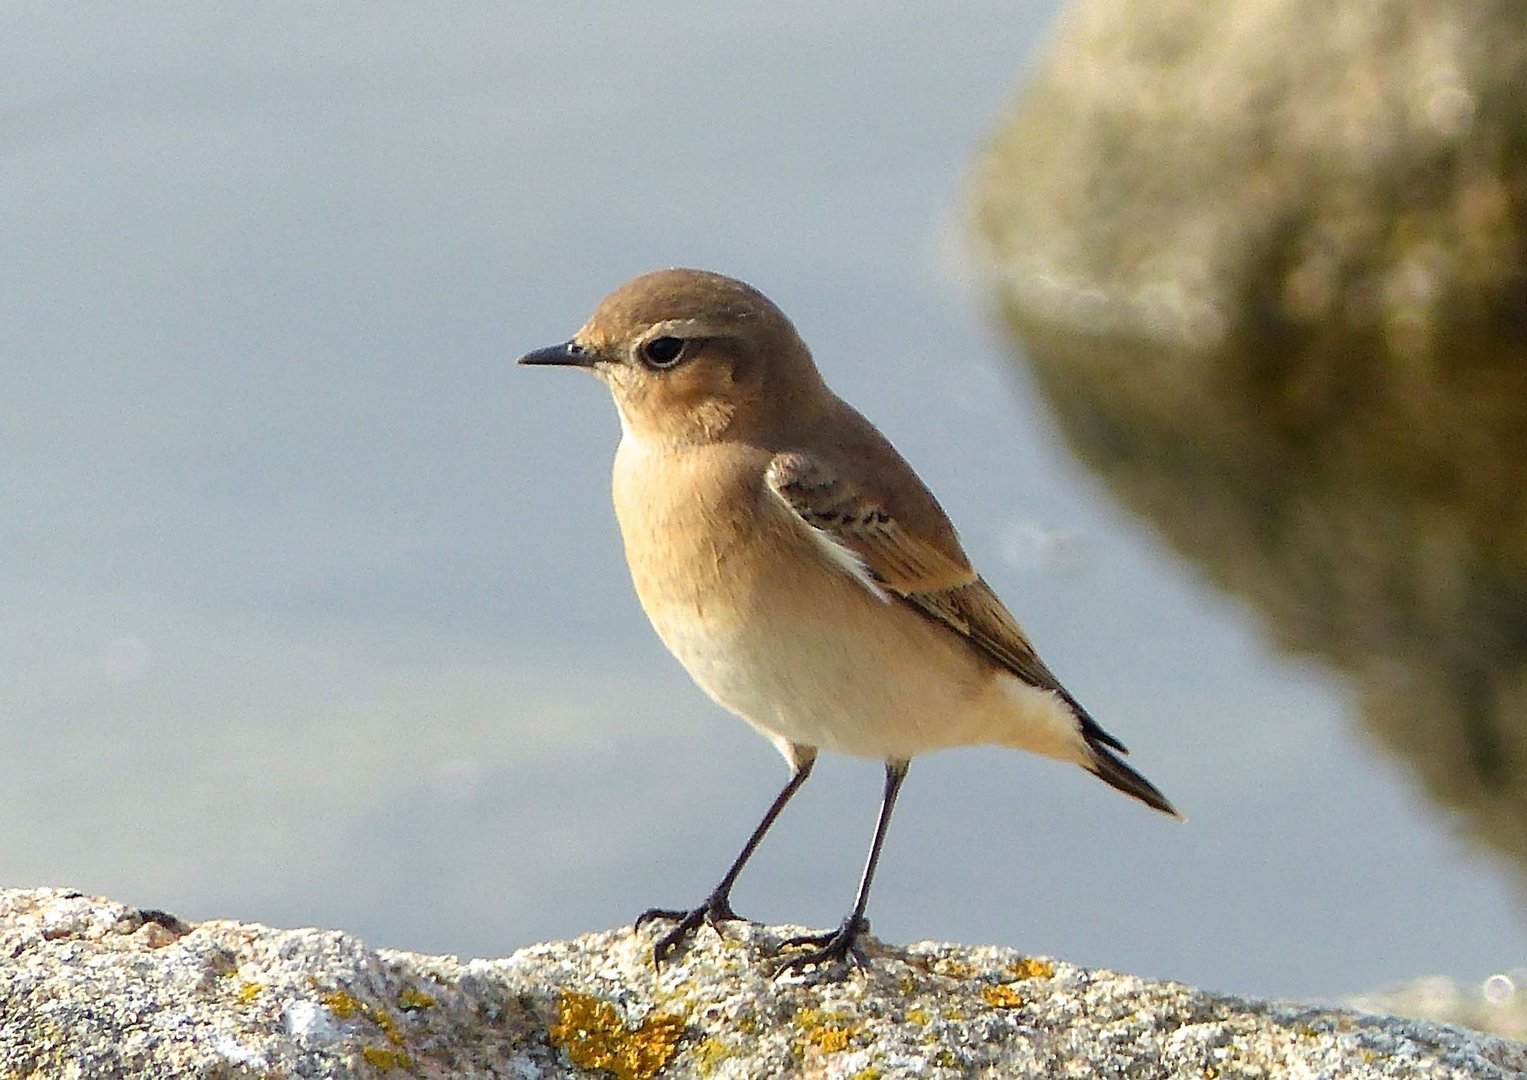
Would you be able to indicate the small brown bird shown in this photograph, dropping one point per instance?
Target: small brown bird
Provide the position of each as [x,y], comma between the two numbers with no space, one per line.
[798,568]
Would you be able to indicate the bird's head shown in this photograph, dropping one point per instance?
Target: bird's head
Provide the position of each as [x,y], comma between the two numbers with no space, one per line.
[691,356]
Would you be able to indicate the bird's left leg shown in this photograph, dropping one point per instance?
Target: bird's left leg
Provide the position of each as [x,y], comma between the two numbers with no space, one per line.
[840,944]
[717,907]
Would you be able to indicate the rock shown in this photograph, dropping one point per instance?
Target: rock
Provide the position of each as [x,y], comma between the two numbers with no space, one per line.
[1267,261]
[93,988]
[1192,173]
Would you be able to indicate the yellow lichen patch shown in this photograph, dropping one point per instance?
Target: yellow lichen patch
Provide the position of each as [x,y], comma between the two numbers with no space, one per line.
[828,1032]
[829,1039]
[247,992]
[342,1004]
[918,1016]
[388,1025]
[1001,997]
[869,1072]
[411,1000]
[384,1057]
[1030,967]
[805,1018]
[594,1036]
[954,969]
[346,1006]
[709,1054]
[811,1017]
[906,985]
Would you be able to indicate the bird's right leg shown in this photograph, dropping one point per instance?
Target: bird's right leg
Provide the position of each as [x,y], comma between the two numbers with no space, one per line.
[717,907]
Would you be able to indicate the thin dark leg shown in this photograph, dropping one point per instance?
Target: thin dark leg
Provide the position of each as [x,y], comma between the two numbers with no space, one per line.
[839,944]
[717,907]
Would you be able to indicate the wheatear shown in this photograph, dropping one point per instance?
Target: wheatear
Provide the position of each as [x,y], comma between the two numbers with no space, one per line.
[798,568]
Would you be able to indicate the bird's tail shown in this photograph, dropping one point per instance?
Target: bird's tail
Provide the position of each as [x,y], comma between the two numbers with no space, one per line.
[1110,768]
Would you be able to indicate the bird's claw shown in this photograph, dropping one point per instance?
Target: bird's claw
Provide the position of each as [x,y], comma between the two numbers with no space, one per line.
[832,947]
[716,910]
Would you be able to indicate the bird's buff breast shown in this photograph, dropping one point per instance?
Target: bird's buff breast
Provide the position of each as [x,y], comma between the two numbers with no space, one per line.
[772,630]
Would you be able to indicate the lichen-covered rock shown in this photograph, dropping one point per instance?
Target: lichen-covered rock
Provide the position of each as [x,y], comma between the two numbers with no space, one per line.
[92,988]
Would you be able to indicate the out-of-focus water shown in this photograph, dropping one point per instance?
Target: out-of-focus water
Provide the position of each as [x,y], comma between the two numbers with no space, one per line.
[315,611]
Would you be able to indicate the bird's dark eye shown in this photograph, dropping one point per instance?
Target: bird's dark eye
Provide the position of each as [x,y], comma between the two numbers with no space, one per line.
[663,352]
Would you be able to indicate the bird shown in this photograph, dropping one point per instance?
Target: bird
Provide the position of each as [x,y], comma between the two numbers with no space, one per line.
[796,566]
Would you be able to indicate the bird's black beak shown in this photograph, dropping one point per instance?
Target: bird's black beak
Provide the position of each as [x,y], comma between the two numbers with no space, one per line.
[568,354]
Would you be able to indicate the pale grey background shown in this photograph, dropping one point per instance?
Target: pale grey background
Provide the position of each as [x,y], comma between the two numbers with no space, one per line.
[314,608]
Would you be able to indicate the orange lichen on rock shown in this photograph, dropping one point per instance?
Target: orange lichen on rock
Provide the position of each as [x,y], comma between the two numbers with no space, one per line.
[1001,997]
[594,1036]
[1030,967]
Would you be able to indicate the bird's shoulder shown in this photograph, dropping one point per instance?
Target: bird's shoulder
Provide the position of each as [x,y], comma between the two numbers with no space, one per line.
[853,487]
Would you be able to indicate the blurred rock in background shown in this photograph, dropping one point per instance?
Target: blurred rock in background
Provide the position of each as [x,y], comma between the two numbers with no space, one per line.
[1497,1005]
[1268,264]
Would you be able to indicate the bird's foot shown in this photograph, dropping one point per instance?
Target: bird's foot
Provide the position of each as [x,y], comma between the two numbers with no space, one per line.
[716,909]
[832,947]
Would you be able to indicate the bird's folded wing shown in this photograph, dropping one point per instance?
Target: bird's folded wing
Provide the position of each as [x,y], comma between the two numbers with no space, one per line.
[894,552]
[906,552]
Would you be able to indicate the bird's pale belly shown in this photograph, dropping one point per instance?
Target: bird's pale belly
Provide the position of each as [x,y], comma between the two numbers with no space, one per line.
[775,653]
